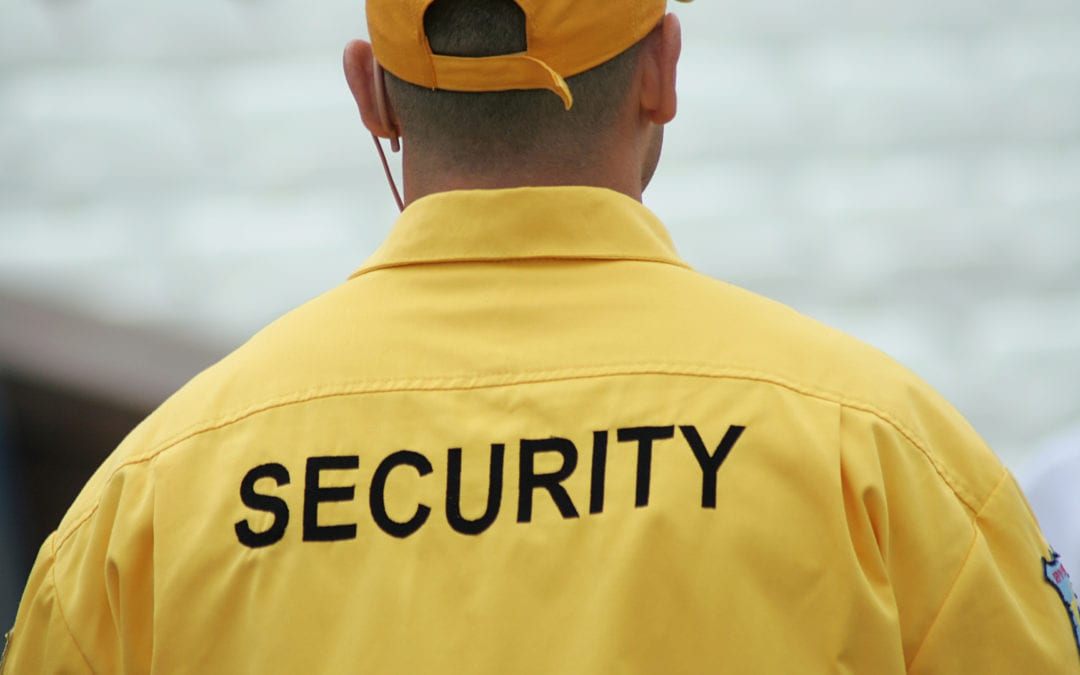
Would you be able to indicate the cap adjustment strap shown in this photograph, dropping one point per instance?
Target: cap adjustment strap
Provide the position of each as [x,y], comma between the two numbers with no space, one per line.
[498,73]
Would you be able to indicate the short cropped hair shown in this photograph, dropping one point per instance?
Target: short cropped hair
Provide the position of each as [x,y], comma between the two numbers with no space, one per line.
[486,130]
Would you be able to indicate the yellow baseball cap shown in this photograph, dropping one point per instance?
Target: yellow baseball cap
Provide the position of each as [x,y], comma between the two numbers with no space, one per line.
[564,38]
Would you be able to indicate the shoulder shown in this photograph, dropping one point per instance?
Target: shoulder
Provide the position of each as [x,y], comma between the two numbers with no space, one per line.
[351,340]
[259,375]
[750,336]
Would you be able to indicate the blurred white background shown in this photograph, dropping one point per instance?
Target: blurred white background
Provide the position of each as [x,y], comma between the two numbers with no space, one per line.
[907,170]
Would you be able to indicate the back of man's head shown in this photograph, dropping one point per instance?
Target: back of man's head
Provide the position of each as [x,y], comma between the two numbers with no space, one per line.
[496,130]
[490,94]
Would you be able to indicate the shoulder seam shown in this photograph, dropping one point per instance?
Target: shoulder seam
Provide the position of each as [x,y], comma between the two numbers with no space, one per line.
[946,476]
[975,532]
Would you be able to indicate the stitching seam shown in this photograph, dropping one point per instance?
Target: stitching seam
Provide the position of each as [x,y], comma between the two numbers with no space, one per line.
[504,379]
[548,258]
[960,571]
[60,608]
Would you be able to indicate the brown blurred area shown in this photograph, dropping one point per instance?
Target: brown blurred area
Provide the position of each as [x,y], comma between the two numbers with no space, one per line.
[72,386]
[58,438]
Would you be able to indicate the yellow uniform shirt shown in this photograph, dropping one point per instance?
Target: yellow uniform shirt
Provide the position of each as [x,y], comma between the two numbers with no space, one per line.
[526,438]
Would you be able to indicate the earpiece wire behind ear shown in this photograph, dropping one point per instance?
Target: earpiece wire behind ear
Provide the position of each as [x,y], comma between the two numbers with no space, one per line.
[389,176]
[395,142]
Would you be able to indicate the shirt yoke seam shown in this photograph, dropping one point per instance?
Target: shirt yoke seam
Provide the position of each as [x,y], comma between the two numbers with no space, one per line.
[514,378]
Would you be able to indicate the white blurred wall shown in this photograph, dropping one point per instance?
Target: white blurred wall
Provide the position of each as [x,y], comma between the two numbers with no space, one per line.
[906,170]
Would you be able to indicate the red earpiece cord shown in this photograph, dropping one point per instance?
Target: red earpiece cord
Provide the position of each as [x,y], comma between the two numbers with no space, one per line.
[389,176]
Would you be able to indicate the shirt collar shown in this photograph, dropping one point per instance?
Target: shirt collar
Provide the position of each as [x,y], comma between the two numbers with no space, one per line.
[524,223]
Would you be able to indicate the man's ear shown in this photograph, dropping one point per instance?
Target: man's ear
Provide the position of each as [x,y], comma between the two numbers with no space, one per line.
[658,66]
[360,73]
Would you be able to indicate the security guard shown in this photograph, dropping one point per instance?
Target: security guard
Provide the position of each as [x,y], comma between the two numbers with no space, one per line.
[525,437]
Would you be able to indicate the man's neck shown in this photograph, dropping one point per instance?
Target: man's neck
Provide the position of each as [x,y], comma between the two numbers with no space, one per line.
[424,176]
[449,182]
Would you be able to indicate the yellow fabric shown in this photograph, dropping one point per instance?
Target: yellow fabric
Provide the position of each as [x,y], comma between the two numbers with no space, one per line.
[293,509]
[565,37]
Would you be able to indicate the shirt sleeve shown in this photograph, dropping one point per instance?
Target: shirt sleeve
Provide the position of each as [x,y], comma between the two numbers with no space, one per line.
[943,525]
[88,606]
[1004,613]
[41,642]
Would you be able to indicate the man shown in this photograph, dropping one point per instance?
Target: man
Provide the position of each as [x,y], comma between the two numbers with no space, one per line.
[526,438]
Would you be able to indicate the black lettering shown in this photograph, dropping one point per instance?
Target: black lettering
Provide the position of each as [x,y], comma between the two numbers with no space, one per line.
[528,480]
[453,491]
[378,494]
[710,464]
[260,502]
[315,494]
[644,437]
[599,471]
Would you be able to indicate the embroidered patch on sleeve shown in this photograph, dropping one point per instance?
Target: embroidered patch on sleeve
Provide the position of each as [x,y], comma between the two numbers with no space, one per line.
[1058,577]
